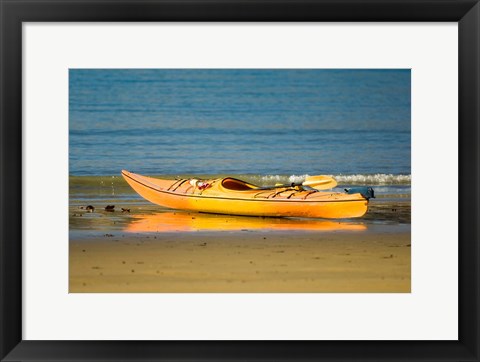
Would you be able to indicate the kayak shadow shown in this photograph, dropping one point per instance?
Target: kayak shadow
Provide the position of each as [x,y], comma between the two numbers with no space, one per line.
[188,221]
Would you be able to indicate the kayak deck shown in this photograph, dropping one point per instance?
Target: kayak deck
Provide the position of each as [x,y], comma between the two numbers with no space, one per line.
[236,197]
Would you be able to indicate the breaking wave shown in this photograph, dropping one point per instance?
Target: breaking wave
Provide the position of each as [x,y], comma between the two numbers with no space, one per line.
[114,184]
[359,179]
[376,179]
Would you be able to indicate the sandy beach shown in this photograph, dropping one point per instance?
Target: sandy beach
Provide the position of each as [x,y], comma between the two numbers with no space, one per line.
[368,261]
[149,249]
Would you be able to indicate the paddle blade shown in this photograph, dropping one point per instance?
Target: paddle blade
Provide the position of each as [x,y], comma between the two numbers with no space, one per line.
[320,182]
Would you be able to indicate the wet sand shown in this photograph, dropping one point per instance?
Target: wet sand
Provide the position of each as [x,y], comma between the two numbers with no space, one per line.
[376,260]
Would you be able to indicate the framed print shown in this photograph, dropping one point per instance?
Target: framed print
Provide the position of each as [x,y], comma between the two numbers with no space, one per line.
[254,181]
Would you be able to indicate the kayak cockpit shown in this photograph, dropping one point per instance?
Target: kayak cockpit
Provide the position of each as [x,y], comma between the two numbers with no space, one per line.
[233,184]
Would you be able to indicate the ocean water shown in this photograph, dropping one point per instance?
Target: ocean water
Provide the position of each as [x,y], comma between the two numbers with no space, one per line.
[260,122]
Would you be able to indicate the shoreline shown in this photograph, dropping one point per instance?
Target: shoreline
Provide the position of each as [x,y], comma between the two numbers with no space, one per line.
[151,249]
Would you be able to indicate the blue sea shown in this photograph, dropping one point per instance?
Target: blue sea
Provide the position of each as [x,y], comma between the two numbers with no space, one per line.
[240,121]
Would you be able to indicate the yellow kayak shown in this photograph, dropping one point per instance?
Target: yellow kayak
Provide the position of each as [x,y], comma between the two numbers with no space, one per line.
[235,197]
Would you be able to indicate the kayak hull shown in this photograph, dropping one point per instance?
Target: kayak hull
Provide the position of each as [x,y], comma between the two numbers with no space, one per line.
[166,193]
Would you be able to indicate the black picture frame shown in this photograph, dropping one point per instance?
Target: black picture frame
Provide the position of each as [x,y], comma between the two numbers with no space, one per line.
[14,12]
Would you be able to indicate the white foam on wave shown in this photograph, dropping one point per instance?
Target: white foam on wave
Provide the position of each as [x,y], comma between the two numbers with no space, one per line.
[275,179]
[359,179]
[376,179]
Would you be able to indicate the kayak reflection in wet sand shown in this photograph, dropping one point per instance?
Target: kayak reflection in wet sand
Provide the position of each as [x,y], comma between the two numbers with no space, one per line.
[185,221]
